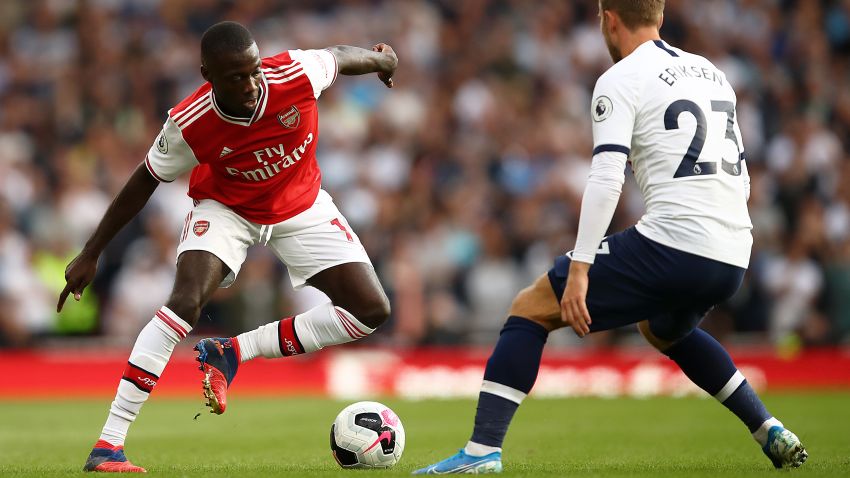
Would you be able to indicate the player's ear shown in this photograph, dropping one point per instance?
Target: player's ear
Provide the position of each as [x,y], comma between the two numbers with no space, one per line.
[205,73]
[610,19]
[660,21]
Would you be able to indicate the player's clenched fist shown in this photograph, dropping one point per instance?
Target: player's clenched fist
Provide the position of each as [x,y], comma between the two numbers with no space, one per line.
[391,63]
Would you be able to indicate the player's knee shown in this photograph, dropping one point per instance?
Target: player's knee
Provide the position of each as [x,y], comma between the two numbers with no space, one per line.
[371,311]
[187,306]
[660,344]
[527,304]
[520,306]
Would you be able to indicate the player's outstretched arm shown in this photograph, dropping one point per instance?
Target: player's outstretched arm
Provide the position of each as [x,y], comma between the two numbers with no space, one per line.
[353,60]
[129,201]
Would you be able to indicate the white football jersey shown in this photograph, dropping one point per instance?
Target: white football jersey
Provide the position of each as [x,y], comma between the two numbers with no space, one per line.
[673,114]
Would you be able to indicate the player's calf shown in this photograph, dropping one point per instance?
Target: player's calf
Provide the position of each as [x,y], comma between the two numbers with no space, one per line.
[709,366]
[319,327]
[146,363]
[508,378]
[372,310]
[354,289]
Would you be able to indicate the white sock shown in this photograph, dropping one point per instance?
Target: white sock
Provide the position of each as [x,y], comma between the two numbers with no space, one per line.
[477,449]
[306,332]
[147,361]
[760,435]
[260,342]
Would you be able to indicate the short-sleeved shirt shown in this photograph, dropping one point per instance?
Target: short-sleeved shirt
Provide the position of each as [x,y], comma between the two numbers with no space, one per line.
[263,167]
[673,114]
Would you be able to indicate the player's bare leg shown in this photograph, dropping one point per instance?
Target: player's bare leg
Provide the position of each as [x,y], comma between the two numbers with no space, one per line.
[538,303]
[355,288]
[509,376]
[710,367]
[198,274]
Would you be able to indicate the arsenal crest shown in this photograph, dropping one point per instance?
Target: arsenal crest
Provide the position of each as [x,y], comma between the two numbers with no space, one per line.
[290,118]
[200,227]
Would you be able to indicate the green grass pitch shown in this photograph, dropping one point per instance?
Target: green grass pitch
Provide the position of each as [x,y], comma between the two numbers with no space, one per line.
[289,437]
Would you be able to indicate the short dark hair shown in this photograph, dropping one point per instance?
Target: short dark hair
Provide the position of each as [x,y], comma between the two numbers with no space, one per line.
[636,13]
[224,38]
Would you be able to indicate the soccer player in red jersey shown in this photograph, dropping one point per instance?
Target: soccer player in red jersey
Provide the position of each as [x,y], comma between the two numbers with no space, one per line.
[248,135]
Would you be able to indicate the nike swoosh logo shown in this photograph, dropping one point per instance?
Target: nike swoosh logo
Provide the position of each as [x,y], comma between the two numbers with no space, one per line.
[459,469]
[383,435]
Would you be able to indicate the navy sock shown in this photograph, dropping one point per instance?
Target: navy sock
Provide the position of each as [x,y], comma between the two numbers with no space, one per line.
[509,376]
[746,404]
[708,365]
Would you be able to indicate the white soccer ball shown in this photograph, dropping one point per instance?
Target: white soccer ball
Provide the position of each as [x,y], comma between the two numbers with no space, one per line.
[367,435]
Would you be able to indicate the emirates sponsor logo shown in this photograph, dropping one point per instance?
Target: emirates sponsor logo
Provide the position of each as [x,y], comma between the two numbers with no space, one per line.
[273,160]
[200,228]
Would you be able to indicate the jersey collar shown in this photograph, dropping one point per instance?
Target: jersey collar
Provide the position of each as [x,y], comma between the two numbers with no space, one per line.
[262,100]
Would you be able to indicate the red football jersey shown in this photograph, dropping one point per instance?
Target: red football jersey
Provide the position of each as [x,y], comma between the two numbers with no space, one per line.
[263,167]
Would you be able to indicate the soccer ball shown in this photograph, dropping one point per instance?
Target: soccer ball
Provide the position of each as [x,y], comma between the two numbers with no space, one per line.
[367,435]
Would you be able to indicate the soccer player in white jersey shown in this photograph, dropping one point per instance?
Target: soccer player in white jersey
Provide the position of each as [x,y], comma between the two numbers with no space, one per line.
[248,135]
[672,115]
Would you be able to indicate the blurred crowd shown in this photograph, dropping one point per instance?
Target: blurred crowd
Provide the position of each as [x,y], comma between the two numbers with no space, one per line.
[464,181]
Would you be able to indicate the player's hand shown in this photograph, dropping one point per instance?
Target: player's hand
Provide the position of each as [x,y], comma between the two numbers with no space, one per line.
[573,306]
[78,275]
[392,62]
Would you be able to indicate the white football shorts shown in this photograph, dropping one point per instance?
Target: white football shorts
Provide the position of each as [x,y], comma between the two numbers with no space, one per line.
[310,242]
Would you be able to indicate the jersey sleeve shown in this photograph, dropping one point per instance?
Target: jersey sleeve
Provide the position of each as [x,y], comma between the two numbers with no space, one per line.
[170,155]
[613,113]
[601,195]
[320,67]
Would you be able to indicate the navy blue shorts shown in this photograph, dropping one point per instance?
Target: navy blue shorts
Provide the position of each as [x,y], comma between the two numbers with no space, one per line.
[640,279]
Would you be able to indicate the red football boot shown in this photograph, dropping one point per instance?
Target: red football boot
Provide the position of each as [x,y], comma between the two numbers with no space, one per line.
[219,358]
[107,458]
